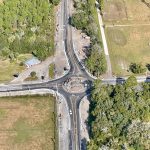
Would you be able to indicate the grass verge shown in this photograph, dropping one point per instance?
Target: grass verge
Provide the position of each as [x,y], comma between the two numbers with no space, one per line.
[31,78]
[52,71]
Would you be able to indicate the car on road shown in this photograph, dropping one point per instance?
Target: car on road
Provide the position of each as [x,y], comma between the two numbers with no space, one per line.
[70,112]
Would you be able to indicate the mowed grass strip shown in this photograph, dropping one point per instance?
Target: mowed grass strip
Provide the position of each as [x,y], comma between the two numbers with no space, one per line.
[52,71]
[127,45]
[28,123]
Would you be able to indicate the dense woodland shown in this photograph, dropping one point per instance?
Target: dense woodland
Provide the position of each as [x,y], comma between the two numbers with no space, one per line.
[27,26]
[85,19]
[120,116]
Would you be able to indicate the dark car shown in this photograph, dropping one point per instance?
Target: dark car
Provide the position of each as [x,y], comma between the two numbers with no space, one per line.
[16,75]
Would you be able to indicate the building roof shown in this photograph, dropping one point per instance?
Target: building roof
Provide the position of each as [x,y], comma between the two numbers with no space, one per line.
[32,61]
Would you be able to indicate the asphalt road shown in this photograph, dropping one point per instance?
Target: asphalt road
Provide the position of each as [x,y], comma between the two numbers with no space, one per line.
[76,70]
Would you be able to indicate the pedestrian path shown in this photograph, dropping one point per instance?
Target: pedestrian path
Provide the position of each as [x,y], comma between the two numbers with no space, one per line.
[106,51]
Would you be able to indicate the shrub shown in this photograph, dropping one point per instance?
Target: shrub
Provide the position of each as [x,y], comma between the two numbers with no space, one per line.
[33,74]
[137,68]
[79,20]
[148,66]
[21,64]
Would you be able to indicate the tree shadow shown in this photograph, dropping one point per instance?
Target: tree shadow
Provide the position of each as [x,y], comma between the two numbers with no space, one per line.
[84,144]
[147,79]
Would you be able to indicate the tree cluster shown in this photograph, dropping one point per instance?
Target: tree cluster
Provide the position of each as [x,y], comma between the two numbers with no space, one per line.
[26,27]
[120,116]
[84,19]
[96,63]
[137,68]
[101,4]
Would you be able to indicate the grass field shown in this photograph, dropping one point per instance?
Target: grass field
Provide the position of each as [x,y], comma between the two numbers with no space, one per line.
[27,123]
[128,33]
[126,11]
[8,69]
[127,45]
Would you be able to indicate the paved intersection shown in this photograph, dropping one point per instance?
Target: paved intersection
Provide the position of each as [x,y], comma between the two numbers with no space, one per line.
[76,70]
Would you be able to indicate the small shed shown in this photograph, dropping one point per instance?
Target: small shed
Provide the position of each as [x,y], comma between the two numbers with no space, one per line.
[31,62]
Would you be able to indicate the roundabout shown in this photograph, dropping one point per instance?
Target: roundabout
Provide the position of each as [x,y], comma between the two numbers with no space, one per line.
[76,85]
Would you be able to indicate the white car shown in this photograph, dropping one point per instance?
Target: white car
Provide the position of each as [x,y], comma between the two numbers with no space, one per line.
[70,112]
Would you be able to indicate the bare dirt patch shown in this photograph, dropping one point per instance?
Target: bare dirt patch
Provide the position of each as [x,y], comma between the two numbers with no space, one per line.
[27,123]
[81,43]
[84,114]
[114,10]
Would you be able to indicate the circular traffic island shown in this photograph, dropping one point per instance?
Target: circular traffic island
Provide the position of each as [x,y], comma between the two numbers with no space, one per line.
[75,85]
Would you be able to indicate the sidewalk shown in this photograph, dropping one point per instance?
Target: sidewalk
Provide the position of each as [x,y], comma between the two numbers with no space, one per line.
[106,51]
[63,123]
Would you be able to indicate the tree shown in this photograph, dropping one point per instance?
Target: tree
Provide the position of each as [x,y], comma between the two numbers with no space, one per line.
[18,18]
[137,68]
[148,66]
[55,2]
[120,116]
[84,19]
[131,81]
[101,2]
[79,20]
[96,63]
[33,74]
